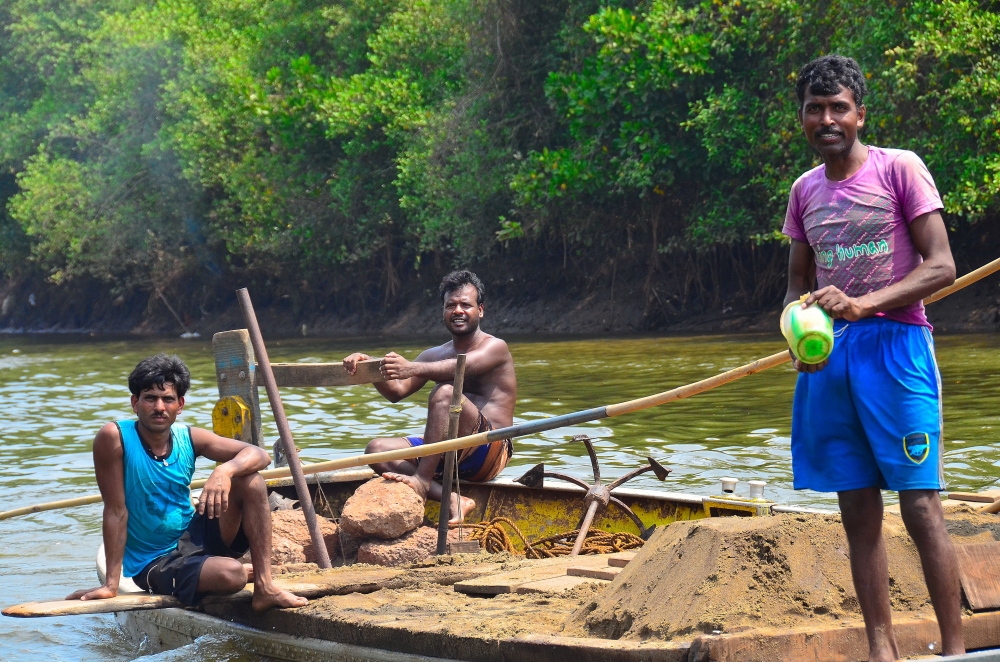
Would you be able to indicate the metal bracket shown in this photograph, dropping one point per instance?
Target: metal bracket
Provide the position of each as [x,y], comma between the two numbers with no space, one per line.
[598,495]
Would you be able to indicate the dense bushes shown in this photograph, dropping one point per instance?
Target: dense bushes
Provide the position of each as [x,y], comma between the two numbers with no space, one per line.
[143,142]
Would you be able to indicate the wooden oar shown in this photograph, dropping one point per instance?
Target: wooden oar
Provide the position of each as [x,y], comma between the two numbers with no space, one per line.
[533,427]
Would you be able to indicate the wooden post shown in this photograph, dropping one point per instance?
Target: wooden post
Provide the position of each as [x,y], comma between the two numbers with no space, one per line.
[451,457]
[284,432]
[236,375]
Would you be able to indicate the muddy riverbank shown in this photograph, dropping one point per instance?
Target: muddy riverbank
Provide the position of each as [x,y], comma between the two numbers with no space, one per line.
[512,308]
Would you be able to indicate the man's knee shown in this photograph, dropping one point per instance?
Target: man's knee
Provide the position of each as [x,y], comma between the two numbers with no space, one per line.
[861,512]
[441,395]
[921,510]
[381,444]
[249,484]
[227,575]
[235,575]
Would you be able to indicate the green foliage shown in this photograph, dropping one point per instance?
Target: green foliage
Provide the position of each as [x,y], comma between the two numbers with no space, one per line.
[944,86]
[695,102]
[143,141]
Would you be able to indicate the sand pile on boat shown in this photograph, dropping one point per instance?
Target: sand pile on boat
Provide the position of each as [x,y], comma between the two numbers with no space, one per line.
[731,574]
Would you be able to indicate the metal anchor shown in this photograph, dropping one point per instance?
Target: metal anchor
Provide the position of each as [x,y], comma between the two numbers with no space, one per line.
[598,495]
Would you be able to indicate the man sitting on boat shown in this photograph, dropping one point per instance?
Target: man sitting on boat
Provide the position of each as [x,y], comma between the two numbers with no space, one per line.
[489,392]
[867,226]
[152,533]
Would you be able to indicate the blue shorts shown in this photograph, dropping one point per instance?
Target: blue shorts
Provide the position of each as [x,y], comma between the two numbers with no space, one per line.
[872,416]
[478,464]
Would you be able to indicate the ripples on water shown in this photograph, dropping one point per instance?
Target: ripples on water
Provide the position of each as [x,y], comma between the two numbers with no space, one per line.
[55,395]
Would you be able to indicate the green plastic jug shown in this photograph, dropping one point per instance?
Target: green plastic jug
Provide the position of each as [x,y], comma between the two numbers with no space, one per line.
[809,331]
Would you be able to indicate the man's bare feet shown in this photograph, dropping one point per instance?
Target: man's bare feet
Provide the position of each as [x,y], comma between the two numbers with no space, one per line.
[266,599]
[417,485]
[423,490]
[468,505]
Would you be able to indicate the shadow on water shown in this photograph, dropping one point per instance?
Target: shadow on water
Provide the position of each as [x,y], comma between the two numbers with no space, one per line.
[55,394]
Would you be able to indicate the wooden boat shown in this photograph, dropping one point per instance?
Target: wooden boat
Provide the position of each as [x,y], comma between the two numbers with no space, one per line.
[537,512]
[284,635]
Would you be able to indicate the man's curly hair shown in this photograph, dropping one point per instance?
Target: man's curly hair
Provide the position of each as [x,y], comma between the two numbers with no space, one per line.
[159,370]
[824,76]
[458,279]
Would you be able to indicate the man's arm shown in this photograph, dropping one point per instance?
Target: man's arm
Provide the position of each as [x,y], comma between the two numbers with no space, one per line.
[237,458]
[490,354]
[801,277]
[110,472]
[801,270]
[930,237]
[393,389]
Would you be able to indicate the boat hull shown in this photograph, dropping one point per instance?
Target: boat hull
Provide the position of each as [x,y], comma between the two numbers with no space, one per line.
[537,512]
[167,629]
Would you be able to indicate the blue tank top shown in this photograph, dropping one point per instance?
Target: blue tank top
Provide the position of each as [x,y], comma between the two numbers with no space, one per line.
[157,496]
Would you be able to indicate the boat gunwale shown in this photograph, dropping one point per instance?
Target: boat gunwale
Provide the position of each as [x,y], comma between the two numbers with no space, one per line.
[351,475]
[261,638]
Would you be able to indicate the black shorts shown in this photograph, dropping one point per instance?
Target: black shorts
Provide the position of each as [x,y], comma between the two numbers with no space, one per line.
[177,573]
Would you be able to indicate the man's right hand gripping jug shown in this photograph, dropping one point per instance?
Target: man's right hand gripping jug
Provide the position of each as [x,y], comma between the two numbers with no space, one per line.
[809,331]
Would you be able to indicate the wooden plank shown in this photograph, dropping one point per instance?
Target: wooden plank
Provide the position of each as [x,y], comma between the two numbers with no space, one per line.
[326,374]
[607,572]
[465,547]
[557,584]
[558,648]
[846,642]
[977,566]
[236,375]
[340,581]
[988,496]
[508,582]
[130,602]
[620,559]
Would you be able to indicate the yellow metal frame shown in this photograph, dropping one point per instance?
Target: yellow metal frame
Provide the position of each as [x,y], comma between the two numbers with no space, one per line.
[232,418]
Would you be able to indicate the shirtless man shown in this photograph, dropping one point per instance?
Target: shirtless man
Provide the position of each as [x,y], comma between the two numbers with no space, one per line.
[151,530]
[490,391]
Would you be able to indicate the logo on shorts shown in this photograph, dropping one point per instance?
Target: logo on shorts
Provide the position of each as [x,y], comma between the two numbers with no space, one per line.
[917,446]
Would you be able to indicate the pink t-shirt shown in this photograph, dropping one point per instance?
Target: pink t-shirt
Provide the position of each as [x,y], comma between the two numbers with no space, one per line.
[859,228]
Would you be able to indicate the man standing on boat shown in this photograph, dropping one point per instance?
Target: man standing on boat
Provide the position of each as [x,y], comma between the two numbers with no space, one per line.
[152,533]
[867,226]
[490,391]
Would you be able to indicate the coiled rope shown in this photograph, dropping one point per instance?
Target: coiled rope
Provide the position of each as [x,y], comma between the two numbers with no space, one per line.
[493,537]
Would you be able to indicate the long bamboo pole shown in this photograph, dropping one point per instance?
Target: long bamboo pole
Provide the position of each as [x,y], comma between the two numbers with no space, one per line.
[284,431]
[451,457]
[522,429]
[966,280]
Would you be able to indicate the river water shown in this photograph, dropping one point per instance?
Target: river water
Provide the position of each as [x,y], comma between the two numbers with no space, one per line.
[55,394]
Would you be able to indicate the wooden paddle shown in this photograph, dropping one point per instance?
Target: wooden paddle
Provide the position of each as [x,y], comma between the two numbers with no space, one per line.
[542,425]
